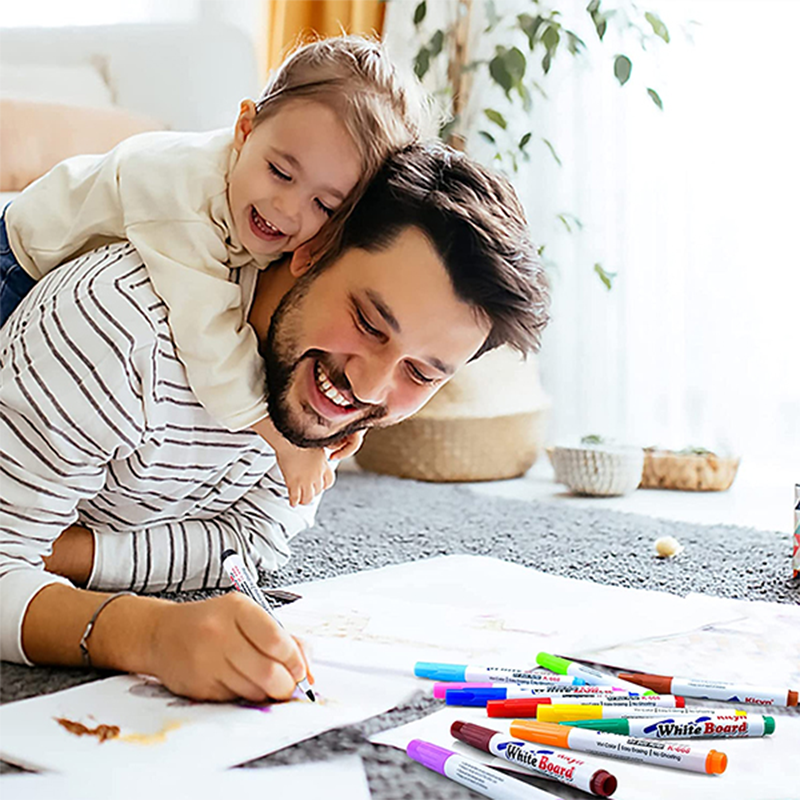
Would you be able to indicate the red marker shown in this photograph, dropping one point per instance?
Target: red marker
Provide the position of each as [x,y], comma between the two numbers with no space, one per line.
[526,706]
[543,761]
[715,690]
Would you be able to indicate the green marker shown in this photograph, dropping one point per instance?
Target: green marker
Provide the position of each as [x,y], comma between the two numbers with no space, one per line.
[701,726]
[594,677]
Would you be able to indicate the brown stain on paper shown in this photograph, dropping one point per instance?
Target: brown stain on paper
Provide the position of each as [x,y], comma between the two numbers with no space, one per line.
[102,732]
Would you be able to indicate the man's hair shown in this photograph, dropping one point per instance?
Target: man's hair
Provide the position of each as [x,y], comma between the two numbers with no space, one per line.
[381,109]
[475,222]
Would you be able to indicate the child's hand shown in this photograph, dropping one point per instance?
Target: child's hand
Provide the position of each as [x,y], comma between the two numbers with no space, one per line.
[348,446]
[307,473]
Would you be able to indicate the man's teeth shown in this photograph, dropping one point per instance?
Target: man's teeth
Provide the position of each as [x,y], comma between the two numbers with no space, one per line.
[265,226]
[328,389]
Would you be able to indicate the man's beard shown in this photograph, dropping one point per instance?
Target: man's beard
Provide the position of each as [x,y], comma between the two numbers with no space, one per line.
[281,360]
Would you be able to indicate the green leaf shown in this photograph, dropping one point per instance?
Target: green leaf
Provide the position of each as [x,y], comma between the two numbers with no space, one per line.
[659,28]
[496,117]
[515,64]
[593,7]
[488,136]
[422,62]
[530,27]
[606,277]
[448,128]
[592,438]
[500,74]
[525,96]
[552,151]
[655,98]
[622,69]
[436,43]
[574,43]
[419,12]
[547,59]
[491,15]
[600,25]
[551,37]
[524,140]
[568,220]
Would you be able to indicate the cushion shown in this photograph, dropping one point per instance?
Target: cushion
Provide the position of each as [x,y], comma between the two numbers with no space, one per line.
[78,85]
[34,137]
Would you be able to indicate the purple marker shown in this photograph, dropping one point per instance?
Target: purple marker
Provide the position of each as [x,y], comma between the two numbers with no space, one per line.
[472,774]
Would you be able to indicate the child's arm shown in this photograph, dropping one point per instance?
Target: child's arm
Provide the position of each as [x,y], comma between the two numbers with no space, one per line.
[306,470]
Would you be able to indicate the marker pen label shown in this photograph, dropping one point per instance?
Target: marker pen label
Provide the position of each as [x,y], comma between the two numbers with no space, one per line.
[623,701]
[664,754]
[486,781]
[699,727]
[594,676]
[720,690]
[544,761]
[508,675]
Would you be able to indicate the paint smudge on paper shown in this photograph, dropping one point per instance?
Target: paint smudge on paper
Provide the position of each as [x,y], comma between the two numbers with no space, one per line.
[102,732]
[158,737]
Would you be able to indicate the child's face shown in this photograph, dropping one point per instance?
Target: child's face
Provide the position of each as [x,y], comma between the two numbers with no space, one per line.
[293,170]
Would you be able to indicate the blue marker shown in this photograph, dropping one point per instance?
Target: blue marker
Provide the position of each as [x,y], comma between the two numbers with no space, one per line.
[464,673]
[480,697]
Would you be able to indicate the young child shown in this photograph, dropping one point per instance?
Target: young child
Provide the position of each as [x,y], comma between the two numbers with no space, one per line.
[196,206]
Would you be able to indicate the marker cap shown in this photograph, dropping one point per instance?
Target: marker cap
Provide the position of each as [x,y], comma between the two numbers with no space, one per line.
[440,672]
[603,783]
[619,726]
[769,725]
[473,697]
[516,707]
[716,762]
[430,755]
[474,735]
[657,683]
[553,663]
[541,732]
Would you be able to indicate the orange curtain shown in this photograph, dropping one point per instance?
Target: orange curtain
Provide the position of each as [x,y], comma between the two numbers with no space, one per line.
[292,21]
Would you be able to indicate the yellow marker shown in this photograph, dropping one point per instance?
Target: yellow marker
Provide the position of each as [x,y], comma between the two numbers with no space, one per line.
[561,712]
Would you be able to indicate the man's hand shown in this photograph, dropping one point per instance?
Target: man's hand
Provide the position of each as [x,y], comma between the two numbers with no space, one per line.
[73,555]
[225,648]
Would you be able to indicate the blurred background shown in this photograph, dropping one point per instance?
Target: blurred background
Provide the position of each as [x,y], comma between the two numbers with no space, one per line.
[655,149]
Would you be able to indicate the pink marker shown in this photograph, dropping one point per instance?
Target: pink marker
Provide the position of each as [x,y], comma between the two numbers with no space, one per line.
[440,689]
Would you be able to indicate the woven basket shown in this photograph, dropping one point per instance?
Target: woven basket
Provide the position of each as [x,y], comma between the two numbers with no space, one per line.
[598,472]
[478,449]
[664,469]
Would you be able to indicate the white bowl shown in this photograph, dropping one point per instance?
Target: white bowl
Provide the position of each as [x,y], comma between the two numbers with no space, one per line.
[598,471]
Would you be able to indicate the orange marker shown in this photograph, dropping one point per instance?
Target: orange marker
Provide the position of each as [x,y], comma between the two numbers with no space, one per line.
[646,751]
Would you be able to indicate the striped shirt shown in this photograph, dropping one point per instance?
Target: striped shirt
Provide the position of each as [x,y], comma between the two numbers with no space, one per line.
[98,427]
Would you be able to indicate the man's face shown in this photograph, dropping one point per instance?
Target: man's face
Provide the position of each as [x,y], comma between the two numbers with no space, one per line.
[366,342]
[294,169]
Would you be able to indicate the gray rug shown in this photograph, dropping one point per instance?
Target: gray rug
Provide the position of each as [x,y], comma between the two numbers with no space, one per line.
[370,521]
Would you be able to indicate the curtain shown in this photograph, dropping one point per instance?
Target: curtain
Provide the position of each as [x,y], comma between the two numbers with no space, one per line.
[290,20]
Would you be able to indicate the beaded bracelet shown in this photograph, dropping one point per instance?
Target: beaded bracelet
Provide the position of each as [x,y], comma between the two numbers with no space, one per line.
[87,659]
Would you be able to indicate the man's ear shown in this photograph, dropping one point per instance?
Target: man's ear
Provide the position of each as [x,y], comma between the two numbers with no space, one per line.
[244,123]
[302,260]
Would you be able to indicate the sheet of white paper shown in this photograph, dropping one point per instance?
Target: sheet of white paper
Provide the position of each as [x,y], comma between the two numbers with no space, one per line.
[338,779]
[157,728]
[762,648]
[479,610]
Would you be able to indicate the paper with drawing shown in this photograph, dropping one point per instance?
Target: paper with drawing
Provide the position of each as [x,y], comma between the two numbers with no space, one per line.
[154,726]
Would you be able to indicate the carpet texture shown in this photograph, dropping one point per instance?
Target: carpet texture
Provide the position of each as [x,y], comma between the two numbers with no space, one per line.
[370,521]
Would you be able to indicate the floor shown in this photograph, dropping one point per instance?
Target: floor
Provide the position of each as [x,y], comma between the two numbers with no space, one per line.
[762,496]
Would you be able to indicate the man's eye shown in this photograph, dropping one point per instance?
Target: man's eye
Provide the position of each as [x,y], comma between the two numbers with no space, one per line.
[363,323]
[277,173]
[323,208]
[418,376]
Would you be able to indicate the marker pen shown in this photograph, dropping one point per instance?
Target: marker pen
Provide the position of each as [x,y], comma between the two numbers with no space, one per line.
[539,760]
[467,672]
[243,582]
[480,697]
[593,676]
[716,690]
[646,751]
[527,706]
[472,774]
[563,712]
[504,690]
[697,726]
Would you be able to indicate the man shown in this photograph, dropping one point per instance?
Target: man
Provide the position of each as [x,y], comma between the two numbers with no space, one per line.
[99,426]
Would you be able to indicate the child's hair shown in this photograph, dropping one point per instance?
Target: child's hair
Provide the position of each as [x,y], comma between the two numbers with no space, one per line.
[380,109]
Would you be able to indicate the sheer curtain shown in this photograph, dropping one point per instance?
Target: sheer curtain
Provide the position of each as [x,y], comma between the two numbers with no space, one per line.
[695,208]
